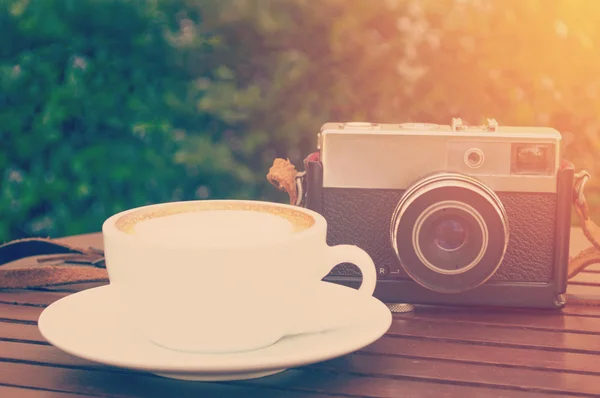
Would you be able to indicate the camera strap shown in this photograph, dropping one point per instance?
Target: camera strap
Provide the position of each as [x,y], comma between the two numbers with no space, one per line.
[58,264]
[283,176]
[591,255]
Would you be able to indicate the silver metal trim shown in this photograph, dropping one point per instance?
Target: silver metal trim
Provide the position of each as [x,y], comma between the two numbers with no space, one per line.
[515,133]
[360,125]
[400,308]
[299,179]
[418,126]
[393,155]
[560,300]
[456,123]
[449,204]
[491,126]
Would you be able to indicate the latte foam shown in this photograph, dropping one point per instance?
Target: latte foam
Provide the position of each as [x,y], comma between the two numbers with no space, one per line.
[215,227]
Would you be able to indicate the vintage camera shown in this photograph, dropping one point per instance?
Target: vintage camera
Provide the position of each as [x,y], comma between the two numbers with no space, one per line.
[450,214]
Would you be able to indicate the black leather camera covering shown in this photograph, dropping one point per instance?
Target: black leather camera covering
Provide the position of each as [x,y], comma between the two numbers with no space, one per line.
[362,217]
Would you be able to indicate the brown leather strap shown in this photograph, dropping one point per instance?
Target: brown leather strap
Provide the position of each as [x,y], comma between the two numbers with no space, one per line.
[22,248]
[50,276]
[591,255]
[283,176]
[61,265]
[582,260]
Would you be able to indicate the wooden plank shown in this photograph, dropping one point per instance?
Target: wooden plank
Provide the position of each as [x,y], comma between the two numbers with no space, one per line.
[371,365]
[117,384]
[474,333]
[30,297]
[577,293]
[578,241]
[495,335]
[48,355]
[77,287]
[581,310]
[407,346]
[541,320]
[580,292]
[387,370]
[20,312]
[568,310]
[591,278]
[389,387]
[20,332]
[484,354]
[465,373]
[20,392]
[290,384]
[590,270]
[45,298]
[415,347]
[593,268]
[548,320]
[424,328]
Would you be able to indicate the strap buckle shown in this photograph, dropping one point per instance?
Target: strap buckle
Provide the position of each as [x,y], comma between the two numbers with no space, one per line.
[300,188]
[580,180]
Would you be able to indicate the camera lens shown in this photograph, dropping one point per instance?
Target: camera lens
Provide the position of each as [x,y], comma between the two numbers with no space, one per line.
[450,237]
[449,234]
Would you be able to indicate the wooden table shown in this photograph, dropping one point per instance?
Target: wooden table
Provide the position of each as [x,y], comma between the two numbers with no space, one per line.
[432,352]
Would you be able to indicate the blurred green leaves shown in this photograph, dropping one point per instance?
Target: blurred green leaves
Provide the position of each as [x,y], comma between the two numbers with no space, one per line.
[99,112]
[111,104]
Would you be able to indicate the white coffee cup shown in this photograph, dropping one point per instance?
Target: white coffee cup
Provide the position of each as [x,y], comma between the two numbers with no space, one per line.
[221,276]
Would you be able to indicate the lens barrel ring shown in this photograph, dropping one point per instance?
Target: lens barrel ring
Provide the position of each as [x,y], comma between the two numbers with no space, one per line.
[452,259]
[451,188]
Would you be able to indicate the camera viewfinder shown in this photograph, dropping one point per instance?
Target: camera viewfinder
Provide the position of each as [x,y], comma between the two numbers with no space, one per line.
[532,159]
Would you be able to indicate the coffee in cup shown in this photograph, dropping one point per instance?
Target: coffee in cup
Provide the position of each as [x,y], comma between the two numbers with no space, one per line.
[220,276]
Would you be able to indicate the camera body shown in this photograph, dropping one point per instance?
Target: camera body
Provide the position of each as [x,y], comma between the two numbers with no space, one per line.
[450,214]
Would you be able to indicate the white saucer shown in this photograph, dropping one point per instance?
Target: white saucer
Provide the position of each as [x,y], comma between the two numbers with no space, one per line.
[89,325]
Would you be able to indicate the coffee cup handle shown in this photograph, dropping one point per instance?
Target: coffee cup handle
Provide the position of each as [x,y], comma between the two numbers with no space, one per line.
[353,254]
[317,315]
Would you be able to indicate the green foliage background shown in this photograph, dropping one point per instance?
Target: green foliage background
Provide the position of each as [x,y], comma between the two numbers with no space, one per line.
[111,104]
